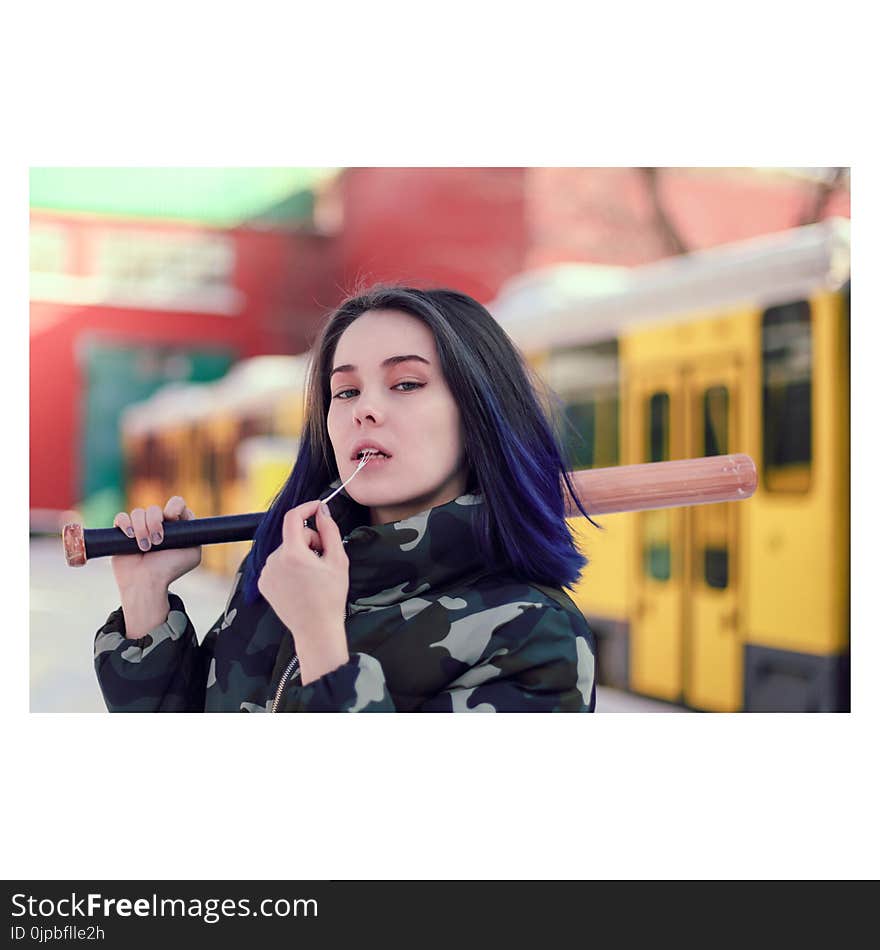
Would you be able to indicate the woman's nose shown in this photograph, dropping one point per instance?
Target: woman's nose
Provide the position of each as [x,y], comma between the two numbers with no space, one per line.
[366,410]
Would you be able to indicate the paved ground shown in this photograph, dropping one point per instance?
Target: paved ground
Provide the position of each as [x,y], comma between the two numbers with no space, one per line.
[67,605]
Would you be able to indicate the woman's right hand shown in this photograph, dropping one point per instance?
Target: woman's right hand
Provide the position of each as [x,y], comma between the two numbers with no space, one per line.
[152,570]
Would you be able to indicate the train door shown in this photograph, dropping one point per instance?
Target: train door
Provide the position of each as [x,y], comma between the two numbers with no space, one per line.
[713,648]
[657,434]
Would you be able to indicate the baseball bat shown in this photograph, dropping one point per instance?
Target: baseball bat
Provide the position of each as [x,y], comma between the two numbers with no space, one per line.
[602,491]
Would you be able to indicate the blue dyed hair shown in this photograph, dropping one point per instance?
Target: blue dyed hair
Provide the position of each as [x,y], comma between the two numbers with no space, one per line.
[514,456]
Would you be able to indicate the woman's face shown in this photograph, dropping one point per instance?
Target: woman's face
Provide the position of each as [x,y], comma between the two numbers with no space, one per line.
[404,407]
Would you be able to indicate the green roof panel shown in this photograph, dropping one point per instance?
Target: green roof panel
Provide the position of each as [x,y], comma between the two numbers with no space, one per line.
[222,197]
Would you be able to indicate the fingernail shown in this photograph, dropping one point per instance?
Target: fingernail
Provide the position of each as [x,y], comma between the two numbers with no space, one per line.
[157,538]
[130,532]
[144,544]
[325,509]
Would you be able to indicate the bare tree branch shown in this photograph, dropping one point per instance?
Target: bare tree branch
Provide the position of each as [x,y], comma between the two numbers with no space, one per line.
[668,232]
[822,195]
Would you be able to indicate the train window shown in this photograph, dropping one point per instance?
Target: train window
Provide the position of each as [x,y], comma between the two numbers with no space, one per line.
[716,425]
[787,366]
[658,428]
[715,561]
[657,525]
[716,405]
[596,423]
[657,552]
[587,380]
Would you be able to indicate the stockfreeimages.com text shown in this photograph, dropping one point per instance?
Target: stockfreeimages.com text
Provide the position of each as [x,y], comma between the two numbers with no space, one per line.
[210,910]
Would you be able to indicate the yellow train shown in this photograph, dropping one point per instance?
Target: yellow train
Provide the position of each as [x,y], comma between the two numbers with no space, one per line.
[743,348]
[226,446]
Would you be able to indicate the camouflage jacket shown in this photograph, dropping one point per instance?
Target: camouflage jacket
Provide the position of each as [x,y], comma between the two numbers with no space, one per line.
[428,628]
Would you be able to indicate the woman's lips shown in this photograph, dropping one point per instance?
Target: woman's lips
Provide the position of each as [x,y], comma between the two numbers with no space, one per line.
[377,461]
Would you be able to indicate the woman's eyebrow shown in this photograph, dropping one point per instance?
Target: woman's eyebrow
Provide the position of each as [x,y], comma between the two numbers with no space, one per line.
[348,367]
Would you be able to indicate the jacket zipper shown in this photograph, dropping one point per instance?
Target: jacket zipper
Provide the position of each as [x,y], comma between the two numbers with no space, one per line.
[292,666]
[292,671]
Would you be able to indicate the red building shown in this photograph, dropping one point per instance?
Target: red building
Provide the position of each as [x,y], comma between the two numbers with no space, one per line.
[119,307]
[459,227]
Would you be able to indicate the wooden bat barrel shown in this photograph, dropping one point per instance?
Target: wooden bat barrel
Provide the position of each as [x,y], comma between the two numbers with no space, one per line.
[701,481]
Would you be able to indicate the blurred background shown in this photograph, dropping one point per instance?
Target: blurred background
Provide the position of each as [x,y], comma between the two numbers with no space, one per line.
[677,312]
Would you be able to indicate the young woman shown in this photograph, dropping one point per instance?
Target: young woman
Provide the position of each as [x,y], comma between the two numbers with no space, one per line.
[433,583]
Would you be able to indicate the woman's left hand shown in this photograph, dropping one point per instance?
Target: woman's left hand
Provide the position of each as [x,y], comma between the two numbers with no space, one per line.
[308,593]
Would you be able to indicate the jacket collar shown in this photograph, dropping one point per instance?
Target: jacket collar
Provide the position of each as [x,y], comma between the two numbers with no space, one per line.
[390,563]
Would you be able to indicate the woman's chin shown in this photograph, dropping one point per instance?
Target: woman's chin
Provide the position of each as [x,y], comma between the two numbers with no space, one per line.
[372,497]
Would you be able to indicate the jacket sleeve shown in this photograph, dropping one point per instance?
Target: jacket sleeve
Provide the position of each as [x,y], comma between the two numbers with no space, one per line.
[543,660]
[165,670]
[356,686]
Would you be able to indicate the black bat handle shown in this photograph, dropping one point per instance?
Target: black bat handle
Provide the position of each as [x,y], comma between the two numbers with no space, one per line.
[101,542]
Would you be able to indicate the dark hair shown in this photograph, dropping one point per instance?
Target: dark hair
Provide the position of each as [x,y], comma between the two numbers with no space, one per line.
[513,454]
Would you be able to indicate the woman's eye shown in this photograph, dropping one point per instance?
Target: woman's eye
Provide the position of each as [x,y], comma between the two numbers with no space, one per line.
[408,382]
